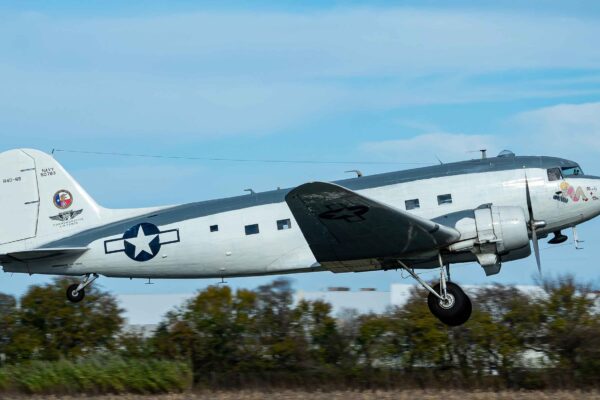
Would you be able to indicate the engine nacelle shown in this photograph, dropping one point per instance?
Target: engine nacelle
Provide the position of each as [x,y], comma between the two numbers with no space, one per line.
[505,227]
[495,233]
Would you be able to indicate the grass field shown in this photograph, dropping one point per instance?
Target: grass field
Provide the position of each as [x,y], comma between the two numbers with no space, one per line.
[392,395]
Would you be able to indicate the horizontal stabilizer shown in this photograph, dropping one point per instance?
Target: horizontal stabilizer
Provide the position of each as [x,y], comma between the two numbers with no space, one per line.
[41,254]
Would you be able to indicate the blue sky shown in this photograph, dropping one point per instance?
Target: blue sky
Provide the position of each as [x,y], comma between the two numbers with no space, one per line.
[394,82]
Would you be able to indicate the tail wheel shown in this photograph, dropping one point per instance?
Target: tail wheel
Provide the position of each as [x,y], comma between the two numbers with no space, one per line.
[74,295]
[455,310]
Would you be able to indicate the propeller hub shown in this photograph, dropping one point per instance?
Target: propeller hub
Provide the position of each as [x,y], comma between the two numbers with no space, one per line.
[539,224]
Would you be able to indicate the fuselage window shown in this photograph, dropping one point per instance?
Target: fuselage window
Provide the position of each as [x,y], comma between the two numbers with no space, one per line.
[252,229]
[554,174]
[283,224]
[444,199]
[572,171]
[214,228]
[412,204]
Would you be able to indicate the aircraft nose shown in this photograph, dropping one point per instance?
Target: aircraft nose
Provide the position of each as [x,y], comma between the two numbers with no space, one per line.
[592,192]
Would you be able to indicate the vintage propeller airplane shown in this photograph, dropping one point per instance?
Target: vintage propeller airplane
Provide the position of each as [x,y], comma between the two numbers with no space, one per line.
[484,211]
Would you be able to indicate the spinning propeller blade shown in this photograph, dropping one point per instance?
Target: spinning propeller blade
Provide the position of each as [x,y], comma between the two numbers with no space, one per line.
[532,226]
[536,249]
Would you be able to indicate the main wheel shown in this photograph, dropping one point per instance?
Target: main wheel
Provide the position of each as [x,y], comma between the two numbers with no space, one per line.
[454,311]
[74,295]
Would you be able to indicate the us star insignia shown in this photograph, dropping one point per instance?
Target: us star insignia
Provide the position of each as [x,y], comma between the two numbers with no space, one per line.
[347,213]
[142,242]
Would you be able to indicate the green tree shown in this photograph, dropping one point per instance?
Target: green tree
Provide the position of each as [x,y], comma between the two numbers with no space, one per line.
[281,332]
[373,340]
[50,327]
[173,338]
[421,340]
[258,334]
[8,321]
[570,330]
[328,346]
[264,336]
[133,345]
[213,331]
[504,321]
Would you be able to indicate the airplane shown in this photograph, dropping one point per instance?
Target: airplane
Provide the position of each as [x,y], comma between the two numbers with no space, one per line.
[485,210]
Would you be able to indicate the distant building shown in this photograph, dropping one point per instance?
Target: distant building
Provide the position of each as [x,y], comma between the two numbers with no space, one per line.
[364,301]
[144,312]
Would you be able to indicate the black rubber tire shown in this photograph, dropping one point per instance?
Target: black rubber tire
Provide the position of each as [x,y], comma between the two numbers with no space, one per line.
[463,316]
[74,295]
[458,313]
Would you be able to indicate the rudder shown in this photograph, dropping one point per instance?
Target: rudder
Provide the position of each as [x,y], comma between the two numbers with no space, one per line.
[39,199]
[19,199]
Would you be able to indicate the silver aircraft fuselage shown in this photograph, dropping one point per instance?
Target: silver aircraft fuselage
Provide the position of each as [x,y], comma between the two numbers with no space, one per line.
[256,234]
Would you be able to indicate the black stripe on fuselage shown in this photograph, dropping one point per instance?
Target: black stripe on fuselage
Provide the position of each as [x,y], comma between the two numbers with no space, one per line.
[204,208]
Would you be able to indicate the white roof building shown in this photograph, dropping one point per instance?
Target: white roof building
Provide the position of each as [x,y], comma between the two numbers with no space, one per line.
[144,311]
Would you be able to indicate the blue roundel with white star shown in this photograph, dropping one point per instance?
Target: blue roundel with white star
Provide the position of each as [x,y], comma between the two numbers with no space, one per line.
[142,242]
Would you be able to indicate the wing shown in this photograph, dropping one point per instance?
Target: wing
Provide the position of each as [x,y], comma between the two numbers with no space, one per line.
[41,254]
[350,232]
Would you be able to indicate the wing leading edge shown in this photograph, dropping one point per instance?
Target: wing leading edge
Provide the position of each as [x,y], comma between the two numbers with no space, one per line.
[350,232]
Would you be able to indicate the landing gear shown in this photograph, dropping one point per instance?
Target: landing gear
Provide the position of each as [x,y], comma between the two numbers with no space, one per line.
[446,300]
[76,292]
[74,295]
[455,309]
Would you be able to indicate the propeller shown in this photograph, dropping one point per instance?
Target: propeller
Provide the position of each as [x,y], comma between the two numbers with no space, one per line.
[533,224]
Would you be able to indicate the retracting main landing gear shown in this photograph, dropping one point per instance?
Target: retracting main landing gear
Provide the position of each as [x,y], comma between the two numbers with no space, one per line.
[446,300]
[76,292]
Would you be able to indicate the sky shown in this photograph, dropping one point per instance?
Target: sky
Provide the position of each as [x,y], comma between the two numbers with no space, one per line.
[378,86]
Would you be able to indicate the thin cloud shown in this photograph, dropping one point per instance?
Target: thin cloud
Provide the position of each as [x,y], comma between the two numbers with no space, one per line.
[219,73]
[426,147]
[567,130]
[351,42]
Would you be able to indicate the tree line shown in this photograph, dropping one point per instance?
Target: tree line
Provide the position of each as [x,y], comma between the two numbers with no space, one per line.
[263,338]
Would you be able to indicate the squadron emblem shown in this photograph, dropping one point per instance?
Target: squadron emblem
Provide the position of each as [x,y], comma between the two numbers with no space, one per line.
[66,215]
[63,199]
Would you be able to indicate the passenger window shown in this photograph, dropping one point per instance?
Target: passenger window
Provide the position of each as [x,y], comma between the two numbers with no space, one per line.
[214,228]
[444,199]
[412,204]
[554,174]
[252,229]
[284,224]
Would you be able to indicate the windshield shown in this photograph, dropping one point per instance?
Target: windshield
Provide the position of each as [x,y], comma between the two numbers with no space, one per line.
[572,171]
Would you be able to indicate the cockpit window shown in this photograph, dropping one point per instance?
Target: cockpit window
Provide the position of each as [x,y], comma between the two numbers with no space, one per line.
[554,174]
[572,171]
